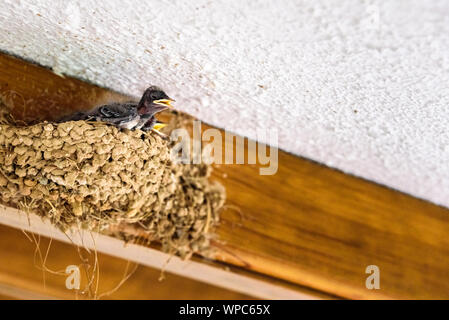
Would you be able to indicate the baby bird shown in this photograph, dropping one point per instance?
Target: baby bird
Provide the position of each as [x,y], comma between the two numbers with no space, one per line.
[154,100]
[129,115]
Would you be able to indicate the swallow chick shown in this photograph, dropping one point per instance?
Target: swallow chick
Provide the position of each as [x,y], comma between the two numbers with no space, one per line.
[122,115]
[129,115]
[154,100]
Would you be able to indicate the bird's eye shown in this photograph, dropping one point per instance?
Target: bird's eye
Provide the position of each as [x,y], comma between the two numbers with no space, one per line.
[154,96]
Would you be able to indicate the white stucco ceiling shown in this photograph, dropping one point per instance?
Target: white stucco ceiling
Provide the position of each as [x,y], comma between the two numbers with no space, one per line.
[362,86]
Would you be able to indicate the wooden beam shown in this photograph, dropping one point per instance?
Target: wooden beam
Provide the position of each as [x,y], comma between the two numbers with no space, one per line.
[150,257]
[308,224]
[21,274]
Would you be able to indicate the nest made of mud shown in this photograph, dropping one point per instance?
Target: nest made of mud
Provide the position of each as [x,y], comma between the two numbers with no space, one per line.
[92,175]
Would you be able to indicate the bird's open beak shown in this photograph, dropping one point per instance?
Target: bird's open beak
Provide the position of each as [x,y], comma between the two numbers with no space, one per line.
[164,102]
[158,126]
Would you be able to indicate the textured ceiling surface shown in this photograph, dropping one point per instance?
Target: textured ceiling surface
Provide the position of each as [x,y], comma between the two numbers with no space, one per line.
[361,86]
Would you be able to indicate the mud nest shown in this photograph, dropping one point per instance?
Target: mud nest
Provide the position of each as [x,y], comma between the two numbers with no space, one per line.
[94,176]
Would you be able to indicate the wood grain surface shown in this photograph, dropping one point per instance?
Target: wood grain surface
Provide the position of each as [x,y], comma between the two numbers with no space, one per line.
[307,224]
[21,274]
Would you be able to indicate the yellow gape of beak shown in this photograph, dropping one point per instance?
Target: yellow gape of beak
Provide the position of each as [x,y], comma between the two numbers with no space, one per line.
[159,126]
[164,102]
